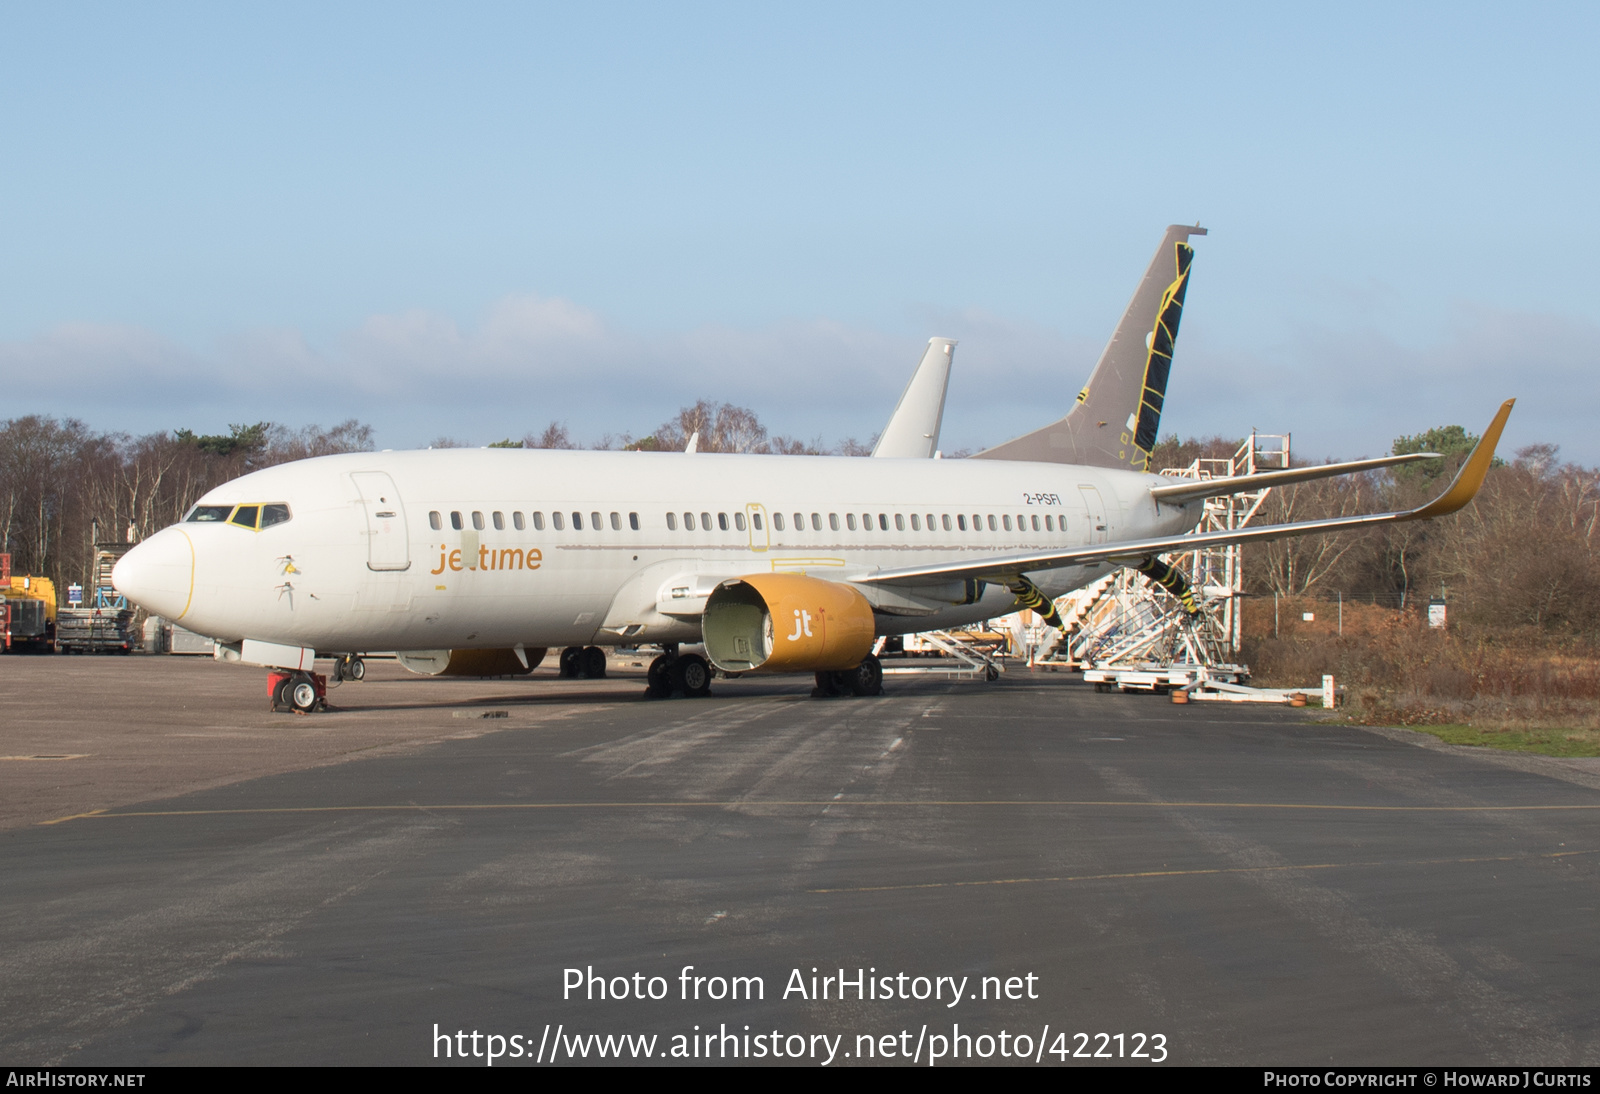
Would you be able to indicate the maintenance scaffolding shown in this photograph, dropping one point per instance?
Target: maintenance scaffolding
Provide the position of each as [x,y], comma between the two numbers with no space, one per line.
[1132,634]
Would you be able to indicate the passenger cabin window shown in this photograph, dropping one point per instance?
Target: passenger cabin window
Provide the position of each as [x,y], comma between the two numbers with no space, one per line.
[961,521]
[557,521]
[722,521]
[899,522]
[499,520]
[577,522]
[245,516]
[594,521]
[1047,523]
[477,520]
[210,514]
[633,521]
[688,521]
[850,521]
[705,521]
[516,521]
[672,522]
[1036,522]
[455,519]
[616,522]
[916,523]
[738,521]
[1006,520]
[992,526]
[816,522]
[833,521]
[538,521]
[435,521]
[777,521]
[946,521]
[277,514]
[883,522]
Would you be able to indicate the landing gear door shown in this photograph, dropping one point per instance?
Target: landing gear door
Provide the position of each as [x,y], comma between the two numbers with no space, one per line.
[387,545]
[756,521]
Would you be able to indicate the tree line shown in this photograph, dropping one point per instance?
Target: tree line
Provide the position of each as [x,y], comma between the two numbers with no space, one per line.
[65,487]
[1522,555]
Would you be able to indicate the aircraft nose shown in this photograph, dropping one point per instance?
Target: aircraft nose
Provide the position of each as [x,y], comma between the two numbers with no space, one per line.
[158,575]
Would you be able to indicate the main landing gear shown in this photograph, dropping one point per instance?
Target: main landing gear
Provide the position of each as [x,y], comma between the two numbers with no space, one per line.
[865,679]
[349,667]
[672,673]
[583,662]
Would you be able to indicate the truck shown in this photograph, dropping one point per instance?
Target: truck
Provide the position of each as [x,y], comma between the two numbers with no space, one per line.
[27,613]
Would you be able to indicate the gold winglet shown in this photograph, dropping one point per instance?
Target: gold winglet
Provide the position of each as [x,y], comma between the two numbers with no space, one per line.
[1470,477]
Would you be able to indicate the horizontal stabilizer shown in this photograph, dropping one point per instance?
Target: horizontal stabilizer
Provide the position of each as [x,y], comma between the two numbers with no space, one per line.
[1180,492]
[1004,568]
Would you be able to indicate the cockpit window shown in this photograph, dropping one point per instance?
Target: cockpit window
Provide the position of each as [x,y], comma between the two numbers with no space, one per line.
[210,514]
[245,516]
[274,514]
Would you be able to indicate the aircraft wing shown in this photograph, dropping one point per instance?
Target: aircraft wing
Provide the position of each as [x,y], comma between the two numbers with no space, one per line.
[1192,490]
[1003,568]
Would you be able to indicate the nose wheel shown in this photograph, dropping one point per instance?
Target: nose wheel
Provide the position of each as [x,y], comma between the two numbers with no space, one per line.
[301,692]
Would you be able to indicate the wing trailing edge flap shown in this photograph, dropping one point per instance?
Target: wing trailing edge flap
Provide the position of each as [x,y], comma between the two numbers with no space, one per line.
[1004,568]
[1194,490]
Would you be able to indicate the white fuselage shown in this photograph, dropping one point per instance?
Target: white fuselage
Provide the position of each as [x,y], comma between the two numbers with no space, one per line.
[371,558]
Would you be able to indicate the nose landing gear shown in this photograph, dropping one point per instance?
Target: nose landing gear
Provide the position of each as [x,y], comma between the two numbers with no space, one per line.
[301,692]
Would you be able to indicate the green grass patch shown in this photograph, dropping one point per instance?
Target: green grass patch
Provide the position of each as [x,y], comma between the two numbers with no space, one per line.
[1545,742]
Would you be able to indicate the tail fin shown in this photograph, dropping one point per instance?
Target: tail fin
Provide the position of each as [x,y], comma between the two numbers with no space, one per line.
[913,429]
[1119,410]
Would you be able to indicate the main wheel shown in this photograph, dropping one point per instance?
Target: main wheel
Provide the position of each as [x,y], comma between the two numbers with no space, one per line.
[658,678]
[302,695]
[867,677]
[692,673]
[283,698]
[825,688]
[569,662]
[356,670]
[593,662]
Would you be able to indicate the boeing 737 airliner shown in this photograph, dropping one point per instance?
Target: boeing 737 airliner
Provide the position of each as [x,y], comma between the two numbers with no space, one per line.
[478,561]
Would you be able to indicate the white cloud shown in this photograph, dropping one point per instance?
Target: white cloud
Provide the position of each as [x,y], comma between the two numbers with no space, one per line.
[419,374]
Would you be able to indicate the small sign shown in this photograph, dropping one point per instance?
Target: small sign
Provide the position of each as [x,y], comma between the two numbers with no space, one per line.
[75,596]
[1309,617]
[1436,612]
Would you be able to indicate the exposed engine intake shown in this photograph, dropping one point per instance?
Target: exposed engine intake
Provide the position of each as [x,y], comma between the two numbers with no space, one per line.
[786,623]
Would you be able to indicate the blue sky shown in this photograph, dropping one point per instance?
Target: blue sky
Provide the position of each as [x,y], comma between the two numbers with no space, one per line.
[471,220]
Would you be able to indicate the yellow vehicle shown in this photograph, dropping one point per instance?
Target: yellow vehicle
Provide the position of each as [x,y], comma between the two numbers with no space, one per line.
[29,624]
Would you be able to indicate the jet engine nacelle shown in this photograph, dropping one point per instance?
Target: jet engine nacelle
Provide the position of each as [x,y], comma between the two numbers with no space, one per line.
[786,623]
[471,662]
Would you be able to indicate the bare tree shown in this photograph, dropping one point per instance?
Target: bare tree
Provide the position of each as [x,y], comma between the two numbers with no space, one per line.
[555,435]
